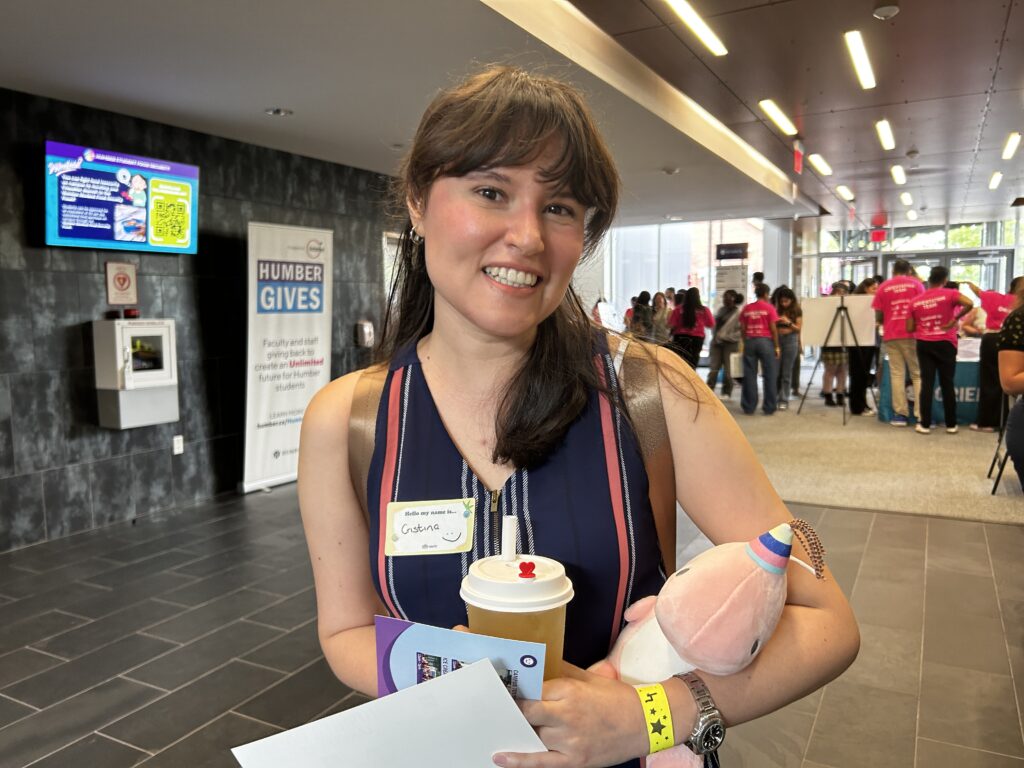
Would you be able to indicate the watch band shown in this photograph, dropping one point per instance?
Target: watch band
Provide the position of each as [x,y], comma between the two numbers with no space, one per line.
[708,716]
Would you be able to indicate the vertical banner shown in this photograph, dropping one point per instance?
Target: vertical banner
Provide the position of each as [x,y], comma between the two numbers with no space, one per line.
[289,355]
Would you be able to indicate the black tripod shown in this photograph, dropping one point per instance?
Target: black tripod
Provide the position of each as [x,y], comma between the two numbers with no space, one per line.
[841,316]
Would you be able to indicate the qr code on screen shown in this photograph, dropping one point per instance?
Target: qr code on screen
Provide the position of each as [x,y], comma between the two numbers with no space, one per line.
[170,220]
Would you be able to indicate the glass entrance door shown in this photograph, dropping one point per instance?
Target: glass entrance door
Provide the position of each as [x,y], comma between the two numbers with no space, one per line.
[859,269]
[987,272]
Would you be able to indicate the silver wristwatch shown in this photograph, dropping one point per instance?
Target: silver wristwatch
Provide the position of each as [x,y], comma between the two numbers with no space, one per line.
[709,729]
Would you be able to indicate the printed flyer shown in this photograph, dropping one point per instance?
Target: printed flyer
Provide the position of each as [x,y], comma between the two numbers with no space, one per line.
[410,653]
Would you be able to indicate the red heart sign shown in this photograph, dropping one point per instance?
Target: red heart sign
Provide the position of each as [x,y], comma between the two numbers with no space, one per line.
[526,570]
[122,281]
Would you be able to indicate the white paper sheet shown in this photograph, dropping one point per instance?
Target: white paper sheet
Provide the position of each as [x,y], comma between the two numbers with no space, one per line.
[455,721]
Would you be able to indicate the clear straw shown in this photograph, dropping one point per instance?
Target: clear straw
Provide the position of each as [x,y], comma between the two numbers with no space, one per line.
[509,529]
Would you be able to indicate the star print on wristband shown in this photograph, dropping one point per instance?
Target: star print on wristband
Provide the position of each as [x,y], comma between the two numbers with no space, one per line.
[657,715]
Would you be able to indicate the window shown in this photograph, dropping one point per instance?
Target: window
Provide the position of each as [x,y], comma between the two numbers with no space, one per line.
[931,238]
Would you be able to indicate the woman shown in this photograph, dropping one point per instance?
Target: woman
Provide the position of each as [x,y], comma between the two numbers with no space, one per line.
[641,324]
[861,358]
[661,332]
[1011,377]
[725,342]
[760,347]
[789,324]
[688,321]
[512,403]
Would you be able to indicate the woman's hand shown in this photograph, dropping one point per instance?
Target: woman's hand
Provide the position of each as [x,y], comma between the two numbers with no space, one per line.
[587,720]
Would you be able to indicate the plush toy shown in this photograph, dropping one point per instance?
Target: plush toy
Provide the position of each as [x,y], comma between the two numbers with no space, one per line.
[714,614]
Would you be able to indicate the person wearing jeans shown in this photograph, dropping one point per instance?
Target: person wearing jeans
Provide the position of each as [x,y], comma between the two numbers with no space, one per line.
[788,325]
[725,342]
[933,321]
[892,305]
[760,345]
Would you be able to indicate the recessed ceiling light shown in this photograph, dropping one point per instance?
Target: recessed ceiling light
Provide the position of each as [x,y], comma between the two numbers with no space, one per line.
[673,217]
[912,214]
[777,116]
[997,177]
[906,199]
[279,111]
[861,62]
[885,135]
[698,26]
[844,192]
[899,175]
[885,11]
[1012,142]
[820,165]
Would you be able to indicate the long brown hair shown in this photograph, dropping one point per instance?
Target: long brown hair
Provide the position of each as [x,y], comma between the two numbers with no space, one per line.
[505,116]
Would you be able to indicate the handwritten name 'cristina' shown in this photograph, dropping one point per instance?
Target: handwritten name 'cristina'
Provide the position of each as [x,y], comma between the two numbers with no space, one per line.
[419,528]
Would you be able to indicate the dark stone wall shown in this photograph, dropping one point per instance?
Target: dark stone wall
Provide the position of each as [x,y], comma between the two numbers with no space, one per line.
[59,471]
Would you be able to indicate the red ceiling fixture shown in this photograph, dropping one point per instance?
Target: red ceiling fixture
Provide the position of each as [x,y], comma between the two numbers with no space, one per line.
[879,219]
[879,235]
[798,157]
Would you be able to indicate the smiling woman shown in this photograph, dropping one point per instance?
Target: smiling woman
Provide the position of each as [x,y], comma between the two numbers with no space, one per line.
[496,400]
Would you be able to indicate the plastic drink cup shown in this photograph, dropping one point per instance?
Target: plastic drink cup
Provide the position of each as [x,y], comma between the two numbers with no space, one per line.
[520,599]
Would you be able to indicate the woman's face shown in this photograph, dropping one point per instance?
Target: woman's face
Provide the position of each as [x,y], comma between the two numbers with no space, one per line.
[659,302]
[785,302]
[873,288]
[501,246]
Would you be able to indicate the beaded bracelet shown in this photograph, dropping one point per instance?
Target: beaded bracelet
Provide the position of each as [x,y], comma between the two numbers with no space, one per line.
[657,715]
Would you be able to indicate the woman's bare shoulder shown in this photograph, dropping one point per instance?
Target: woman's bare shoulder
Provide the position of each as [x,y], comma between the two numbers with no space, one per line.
[328,413]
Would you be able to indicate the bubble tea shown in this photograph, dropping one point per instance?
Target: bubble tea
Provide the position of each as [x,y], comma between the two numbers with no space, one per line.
[519,597]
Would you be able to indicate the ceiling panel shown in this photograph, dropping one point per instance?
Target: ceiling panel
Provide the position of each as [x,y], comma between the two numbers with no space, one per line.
[619,17]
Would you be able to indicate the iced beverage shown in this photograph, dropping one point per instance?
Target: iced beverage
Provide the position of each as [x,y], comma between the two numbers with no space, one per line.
[520,599]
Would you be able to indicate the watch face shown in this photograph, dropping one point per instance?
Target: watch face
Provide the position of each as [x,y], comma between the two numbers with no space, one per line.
[713,737]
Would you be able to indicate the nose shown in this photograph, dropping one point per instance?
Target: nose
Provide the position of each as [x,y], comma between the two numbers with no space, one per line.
[525,231]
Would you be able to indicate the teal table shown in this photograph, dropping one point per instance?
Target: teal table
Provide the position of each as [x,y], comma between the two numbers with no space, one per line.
[967,391]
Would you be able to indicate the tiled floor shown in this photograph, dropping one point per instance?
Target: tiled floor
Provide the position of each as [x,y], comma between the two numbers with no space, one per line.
[166,642]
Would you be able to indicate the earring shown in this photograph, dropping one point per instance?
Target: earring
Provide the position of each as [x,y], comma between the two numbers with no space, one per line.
[416,237]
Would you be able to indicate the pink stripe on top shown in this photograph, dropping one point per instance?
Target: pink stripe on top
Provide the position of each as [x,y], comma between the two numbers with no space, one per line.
[387,482]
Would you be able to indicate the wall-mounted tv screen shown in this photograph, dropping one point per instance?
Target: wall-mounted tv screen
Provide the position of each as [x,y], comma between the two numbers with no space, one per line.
[98,198]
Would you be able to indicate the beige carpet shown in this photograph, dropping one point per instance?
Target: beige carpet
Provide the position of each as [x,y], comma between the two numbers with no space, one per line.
[813,459]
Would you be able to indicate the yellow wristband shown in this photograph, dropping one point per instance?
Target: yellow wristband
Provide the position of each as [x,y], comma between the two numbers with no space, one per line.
[657,715]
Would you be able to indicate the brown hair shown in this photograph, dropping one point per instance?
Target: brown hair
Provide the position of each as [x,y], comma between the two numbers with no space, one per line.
[505,116]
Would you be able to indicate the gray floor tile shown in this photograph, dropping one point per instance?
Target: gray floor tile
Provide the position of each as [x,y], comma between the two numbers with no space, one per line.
[885,603]
[97,633]
[934,754]
[900,531]
[195,622]
[26,631]
[124,595]
[289,652]
[242,551]
[295,579]
[975,642]
[219,584]
[777,740]
[22,663]
[146,549]
[298,698]
[970,708]
[191,661]
[94,750]
[889,659]
[860,726]
[959,595]
[178,714]
[289,613]
[141,569]
[52,581]
[210,746]
[53,728]
[12,710]
[73,677]
[56,598]
[896,562]
[354,699]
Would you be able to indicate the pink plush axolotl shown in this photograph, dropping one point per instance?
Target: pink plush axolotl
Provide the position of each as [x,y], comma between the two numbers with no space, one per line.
[714,614]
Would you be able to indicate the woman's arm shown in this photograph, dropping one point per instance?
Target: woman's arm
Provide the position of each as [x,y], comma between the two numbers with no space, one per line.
[337,536]
[589,720]
[1011,371]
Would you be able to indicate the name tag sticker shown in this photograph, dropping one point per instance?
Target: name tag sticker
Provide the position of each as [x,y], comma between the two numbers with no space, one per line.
[430,527]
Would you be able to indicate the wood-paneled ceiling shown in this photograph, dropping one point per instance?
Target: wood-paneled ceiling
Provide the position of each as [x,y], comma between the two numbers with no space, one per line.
[950,77]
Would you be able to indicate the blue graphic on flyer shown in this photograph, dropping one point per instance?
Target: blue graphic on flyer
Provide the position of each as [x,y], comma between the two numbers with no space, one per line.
[410,653]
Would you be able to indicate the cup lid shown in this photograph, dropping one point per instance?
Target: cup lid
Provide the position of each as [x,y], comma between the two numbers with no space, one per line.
[528,583]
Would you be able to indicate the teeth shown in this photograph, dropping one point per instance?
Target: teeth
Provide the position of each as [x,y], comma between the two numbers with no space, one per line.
[513,277]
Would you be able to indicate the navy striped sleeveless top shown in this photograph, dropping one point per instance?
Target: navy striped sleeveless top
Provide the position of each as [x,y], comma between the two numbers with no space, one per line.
[586,506]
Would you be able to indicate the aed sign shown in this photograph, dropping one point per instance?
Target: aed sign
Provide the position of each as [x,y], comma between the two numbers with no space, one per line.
[289,287]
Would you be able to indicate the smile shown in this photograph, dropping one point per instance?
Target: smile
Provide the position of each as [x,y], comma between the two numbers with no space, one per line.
[511,277]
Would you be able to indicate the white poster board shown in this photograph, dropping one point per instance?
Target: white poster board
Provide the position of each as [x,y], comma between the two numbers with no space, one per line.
[289,348]
[733,276]
[818,316]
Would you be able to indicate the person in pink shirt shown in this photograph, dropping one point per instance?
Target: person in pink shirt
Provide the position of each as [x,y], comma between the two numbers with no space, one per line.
[760,345]
[687,323]
[991,403]
[933,321]
[891,305]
